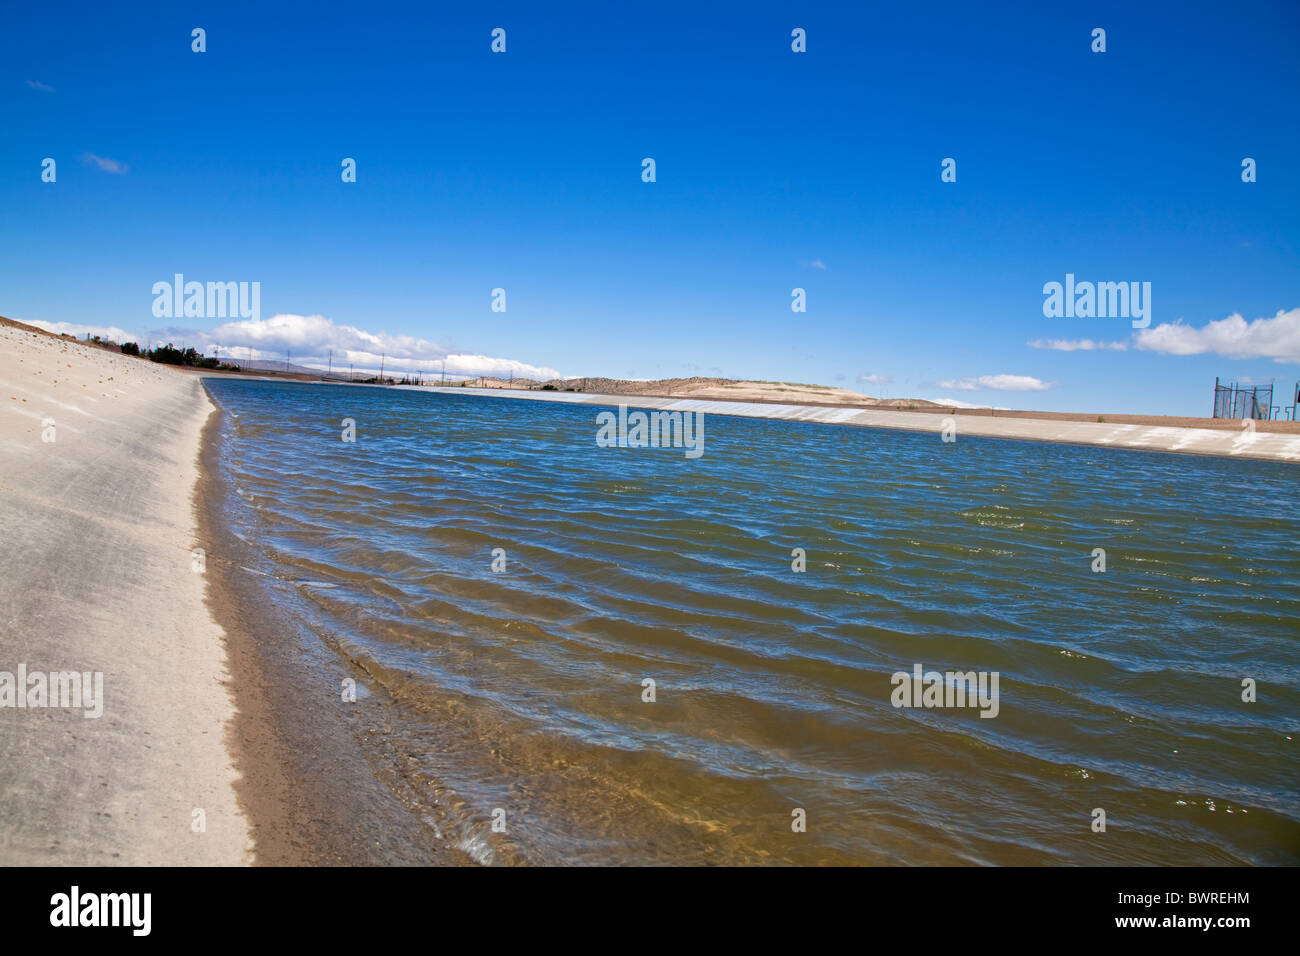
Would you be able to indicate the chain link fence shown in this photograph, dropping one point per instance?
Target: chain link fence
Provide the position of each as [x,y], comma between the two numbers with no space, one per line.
[1243,401]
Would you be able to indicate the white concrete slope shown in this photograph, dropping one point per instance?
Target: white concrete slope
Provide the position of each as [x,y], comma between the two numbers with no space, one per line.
[1242,442]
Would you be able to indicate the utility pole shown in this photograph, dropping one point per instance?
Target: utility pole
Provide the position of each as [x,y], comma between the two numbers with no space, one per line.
[444,371]
[286,360]
[381,368]
[331,367]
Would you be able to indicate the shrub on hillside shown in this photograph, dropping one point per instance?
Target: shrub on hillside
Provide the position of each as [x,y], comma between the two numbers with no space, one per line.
[167,355]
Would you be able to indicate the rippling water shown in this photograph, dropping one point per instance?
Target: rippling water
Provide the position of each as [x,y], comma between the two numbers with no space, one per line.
[522,689]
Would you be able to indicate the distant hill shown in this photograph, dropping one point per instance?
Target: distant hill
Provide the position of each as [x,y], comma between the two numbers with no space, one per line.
[263,365]
[727,389]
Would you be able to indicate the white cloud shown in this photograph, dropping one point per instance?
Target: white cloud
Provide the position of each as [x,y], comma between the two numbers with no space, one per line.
[309,339]
[110,332]
[955,403]
[818,264]
[1001,383]
[1277,338]
[1078,345]
[106,164]
[871,378]
[38,85]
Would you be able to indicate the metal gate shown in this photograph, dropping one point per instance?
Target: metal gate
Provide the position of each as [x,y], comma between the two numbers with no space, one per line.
[1243,401]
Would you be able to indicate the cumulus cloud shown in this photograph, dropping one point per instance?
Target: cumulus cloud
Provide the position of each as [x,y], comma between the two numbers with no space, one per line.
[1078,345]
[1000,383]
[38,85]
[309,339]
[108,332]
[106,164]
[955,403]
[871,378]
[1277,338]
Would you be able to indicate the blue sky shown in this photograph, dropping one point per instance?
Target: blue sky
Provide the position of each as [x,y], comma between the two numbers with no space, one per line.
[775,170]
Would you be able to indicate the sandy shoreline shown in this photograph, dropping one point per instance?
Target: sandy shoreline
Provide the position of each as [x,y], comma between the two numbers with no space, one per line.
[213,699]
[96,575]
